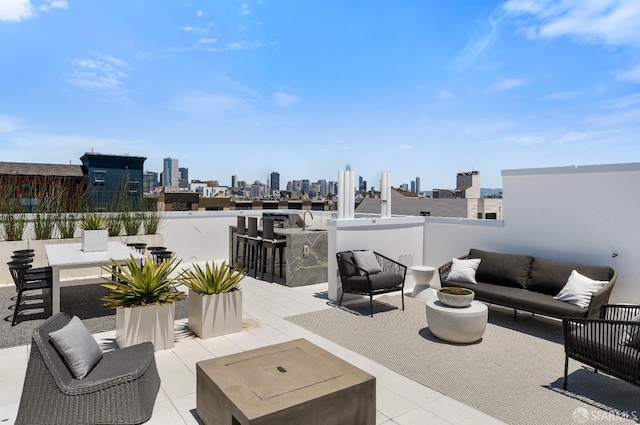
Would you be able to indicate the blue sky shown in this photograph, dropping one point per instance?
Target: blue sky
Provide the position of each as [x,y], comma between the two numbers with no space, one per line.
[414,88]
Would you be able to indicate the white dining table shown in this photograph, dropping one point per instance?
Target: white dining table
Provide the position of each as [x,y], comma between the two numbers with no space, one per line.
[71,256]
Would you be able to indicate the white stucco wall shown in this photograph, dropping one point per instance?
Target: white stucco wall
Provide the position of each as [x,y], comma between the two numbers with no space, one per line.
[582,214]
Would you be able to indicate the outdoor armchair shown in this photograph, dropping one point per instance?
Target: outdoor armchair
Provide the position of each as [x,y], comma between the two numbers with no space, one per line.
[120,389]
[610,343]
[357,279]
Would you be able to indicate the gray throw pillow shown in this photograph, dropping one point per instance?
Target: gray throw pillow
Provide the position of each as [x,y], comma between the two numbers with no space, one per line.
[77,347]
[367,260]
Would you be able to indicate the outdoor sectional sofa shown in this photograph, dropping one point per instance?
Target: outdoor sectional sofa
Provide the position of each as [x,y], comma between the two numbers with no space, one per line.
[528,283]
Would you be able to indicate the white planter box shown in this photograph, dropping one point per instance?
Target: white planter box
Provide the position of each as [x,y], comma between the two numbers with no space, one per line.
[215,315]
[154,323]
[95,240]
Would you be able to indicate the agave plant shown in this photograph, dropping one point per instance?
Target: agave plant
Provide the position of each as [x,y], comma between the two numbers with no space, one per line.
[212,279]
[92,222]
[141,284]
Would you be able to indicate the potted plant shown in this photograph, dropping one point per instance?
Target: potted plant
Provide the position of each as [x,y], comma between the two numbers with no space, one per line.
[215,299]
[95,236]
[144,296]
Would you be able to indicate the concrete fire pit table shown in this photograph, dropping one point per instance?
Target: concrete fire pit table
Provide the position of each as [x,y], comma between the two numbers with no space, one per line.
[288,383]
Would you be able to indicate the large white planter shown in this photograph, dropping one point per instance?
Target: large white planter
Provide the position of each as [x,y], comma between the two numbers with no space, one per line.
[95,240]
[154,323]
[215,315]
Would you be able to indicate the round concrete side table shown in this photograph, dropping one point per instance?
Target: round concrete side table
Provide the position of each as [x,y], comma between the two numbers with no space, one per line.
[460,325]
[422,276]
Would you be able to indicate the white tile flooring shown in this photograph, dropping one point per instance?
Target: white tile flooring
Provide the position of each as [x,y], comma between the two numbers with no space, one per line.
[400,400]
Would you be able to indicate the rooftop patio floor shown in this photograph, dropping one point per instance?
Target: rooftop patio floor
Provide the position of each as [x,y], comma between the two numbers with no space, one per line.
[399,400]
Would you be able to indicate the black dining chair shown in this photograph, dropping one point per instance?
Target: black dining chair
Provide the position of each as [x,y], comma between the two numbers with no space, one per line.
[26,282]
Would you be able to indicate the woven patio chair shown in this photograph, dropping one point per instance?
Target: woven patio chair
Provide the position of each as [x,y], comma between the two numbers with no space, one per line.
[610,344]
[357,280]
[120,389]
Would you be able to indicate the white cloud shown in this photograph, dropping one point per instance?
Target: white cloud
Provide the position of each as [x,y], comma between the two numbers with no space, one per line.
[508,84]
[573,136]
[563,95]
[404,147]
[187,28]
[211,103]
[623,102]
[207,41]
[15,10]
[284,100]
[105,73]
[8,123]
[476,46]
[245,9]
[445,94]
[525,139]
[631,75]
[200,13]
[54,4]
[611,22]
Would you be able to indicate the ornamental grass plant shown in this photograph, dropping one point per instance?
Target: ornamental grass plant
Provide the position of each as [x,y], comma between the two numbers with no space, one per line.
[143,284]
[212,279]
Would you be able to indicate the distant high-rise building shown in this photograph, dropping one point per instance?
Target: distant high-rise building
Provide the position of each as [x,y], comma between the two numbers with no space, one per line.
[324,188]
[275,181]
[149,181]
[404,187]
[362,185]
[417,185]
[413,186]
[184,178]
[305,185]
[171,173]
[234,181]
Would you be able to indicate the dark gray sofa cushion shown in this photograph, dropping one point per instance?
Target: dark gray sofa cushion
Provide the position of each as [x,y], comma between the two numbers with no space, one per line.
[378,280]
[550,276]
[502,269]
[521,299]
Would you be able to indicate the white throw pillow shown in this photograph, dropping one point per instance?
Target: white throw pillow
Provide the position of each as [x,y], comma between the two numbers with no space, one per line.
[631,334]
[77,347]
[578,289]
[367,260]
[464,270]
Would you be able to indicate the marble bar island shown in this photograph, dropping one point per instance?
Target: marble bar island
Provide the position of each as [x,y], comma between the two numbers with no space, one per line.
[306,255]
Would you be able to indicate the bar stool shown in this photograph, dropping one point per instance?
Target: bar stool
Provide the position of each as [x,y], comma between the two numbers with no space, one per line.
[138,246]
[253,245]
[272,244]
[241,238]
[154,250]
[162,256]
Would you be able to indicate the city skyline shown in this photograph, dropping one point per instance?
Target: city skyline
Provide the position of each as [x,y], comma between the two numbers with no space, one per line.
[251,87]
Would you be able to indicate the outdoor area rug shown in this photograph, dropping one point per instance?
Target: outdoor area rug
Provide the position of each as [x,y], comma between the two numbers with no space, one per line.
[513,374]
[78,297]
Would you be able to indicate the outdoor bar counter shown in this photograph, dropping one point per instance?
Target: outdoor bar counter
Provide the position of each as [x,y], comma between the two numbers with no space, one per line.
[306,255]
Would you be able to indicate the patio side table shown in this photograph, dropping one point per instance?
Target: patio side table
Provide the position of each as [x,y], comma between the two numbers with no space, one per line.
[422,276]
[295,382]
[460,325]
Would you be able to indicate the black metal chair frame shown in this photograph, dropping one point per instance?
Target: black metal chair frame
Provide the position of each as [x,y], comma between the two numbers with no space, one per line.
[597,342]
[253,246]
[364,286]
[28,282]
[120,389]
[271,243]
[240,239]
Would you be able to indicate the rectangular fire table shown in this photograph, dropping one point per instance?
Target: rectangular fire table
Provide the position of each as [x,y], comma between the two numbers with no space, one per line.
[295,382]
